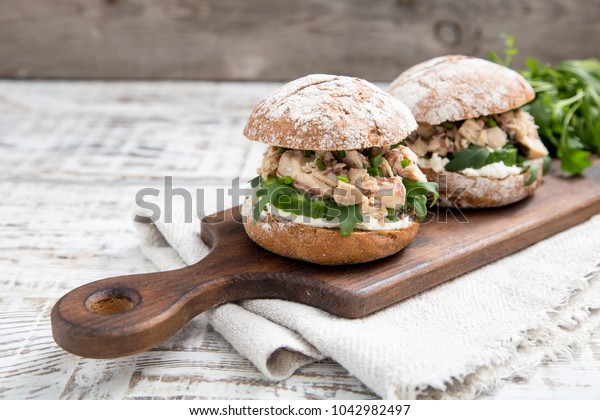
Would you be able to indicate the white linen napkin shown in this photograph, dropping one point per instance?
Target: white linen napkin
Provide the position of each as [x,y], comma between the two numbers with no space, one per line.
[454,341]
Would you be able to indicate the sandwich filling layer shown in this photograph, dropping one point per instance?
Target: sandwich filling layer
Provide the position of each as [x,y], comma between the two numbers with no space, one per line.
[494,146]
[380,188]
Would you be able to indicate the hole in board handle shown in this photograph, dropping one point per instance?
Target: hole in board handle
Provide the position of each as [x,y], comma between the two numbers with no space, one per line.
[113,300]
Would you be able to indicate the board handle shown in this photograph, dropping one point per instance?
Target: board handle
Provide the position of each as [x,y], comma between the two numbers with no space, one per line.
[119,316]
[123,315]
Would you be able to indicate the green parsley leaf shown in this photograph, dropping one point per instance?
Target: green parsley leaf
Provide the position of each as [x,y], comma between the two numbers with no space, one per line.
[566,107]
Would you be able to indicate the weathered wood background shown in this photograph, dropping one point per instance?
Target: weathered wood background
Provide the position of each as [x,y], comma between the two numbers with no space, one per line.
[277,39]
[72,156]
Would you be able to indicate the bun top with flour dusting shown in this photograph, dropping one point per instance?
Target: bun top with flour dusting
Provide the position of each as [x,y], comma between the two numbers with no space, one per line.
[327,112]
[457,87]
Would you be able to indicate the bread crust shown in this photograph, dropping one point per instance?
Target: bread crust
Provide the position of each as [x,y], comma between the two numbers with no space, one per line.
[326,246]
[461,191]
[457,87]
[327,112]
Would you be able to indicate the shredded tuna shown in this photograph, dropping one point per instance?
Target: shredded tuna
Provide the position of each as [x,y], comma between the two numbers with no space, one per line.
[323,175]
[494,131]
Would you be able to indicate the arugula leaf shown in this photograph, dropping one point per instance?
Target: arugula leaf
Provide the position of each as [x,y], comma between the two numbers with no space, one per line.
[254,182]
[473,157]
[476,157]
[417,193]
[419,205]
[415,188]
[392,215]
[547,164]
[260,205]
[508,155]
[281,194]
[533,170]
[349,217]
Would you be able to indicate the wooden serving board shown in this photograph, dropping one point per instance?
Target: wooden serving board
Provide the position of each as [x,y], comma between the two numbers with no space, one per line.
[123,315]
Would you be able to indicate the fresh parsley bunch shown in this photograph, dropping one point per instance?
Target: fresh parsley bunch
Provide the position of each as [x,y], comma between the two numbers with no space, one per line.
[566,107]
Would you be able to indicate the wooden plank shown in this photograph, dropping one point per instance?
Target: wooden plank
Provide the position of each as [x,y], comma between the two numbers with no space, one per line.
[277,39]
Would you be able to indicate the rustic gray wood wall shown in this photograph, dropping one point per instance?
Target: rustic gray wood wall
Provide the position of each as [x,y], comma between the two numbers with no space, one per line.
[277,39]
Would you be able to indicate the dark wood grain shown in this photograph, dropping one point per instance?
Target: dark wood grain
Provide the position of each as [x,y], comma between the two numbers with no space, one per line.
[277,39]
[124,315]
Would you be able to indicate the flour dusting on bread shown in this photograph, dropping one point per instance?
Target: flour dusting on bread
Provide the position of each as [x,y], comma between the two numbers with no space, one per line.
[457,87]
[326,112]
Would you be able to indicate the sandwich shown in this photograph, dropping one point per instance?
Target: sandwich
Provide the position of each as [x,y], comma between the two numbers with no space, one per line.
[335,185]
[472,138]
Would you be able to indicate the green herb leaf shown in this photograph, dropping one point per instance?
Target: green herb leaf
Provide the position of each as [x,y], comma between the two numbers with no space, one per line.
[341,154]
[288,180]
[419,205]
[448,125]
[395,146]
[566,107]
[254,182]
[392,215]
[493,55]
[473,157]
[349,217]
[375,171]
[533,170]
[573,161]
[509,51]
[547,164]
[490,122]
[320,164]
[508,155]
[283,196]
[405,163]
[343,179]
[416,188]
[376,160]
[307,153]
[417,195]
[260,205]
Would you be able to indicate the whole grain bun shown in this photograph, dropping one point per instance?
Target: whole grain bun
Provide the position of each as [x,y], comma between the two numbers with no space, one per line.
[458,190]
[457,87]
[326,246]
[326,112]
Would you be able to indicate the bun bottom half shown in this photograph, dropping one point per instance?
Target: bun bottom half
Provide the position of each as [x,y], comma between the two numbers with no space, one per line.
[326,246]
[461,191]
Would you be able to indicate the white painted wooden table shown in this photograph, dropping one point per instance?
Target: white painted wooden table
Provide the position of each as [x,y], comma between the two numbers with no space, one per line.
[72,156]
